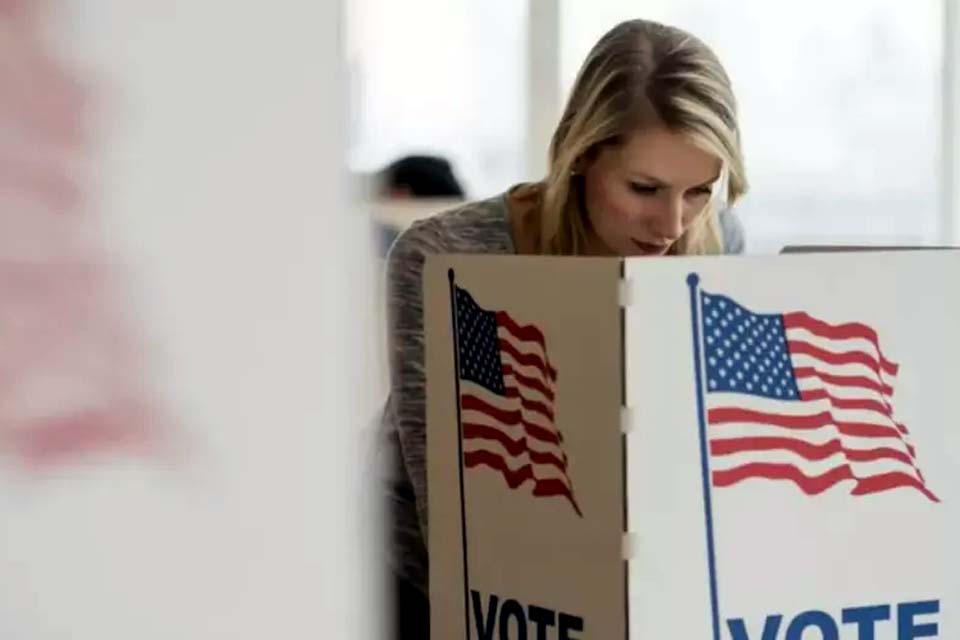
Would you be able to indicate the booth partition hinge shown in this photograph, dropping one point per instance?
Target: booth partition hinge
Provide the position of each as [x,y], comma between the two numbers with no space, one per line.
[625,293]
[630,545]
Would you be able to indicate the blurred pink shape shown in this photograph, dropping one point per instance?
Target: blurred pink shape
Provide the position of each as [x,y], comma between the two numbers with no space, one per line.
[72,378]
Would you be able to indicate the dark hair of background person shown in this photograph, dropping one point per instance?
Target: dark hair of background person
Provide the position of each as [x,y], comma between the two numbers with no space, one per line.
[420,176]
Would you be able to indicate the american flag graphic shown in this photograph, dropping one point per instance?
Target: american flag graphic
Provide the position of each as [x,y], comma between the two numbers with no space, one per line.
[793,398]
[507,392]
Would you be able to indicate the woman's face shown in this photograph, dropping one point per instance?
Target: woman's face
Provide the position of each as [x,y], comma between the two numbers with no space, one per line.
[643,194]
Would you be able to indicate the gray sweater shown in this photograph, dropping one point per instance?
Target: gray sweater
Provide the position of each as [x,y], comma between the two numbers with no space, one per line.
[478,227]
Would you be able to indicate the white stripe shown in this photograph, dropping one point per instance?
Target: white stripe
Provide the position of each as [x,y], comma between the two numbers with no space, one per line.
[505,404]
[847,393]
[528,392]
[541,471]
[530,347]
[811,436]
[526,370]
[853,369]
[834,346]
[479,417]
[514,433]
[791,408]
[810,468]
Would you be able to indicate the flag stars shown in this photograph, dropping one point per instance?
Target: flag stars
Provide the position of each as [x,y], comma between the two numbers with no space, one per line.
[746,352]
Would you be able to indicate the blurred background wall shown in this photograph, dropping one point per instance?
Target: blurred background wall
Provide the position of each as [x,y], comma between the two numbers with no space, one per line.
[847,126]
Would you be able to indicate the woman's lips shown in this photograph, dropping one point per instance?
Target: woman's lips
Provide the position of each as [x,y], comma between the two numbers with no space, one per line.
[648,248]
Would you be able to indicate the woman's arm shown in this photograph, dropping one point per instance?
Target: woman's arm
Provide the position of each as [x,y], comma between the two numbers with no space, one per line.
[406,411]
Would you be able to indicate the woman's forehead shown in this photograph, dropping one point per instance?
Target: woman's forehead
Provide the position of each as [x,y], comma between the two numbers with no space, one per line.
[669,157]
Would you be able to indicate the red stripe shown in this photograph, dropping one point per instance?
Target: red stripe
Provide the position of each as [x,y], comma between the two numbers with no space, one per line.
[807,450]
[892,480]
[809,485]
[527,381]
[515,448]
[526,333]
[530,405]
[843,381]
[847,403]
[847,357]
[516,477]
[858,404]
[818,484]
[53,439]
[510,418]
[528,359]
[728,415]
[848,331]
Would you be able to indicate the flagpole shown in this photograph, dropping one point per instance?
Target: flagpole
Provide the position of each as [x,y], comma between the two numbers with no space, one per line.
[693,281]
[463,510]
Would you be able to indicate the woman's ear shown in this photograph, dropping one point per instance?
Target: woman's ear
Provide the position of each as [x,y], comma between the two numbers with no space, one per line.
[579,167]
[583,162]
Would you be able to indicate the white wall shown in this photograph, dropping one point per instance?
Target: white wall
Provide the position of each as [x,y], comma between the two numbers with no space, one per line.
[218,174]
[444,77]
[839,103]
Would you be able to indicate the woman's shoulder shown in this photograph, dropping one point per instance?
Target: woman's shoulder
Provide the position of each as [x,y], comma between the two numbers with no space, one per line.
[473,227]
[734,238]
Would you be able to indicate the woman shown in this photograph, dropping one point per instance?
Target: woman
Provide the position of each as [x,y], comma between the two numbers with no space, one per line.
[645,161]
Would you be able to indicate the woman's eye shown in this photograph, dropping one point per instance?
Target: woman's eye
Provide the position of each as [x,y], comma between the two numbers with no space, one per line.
[699,192]
[643,189]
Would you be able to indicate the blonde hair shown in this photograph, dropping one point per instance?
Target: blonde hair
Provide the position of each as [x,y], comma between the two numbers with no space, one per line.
[638,74]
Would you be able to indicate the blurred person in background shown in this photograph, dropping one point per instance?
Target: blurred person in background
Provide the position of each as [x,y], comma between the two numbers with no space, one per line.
[646,161]
[414,177]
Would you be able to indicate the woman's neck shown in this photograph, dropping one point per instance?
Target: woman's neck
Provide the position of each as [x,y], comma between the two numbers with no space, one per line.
[523,207]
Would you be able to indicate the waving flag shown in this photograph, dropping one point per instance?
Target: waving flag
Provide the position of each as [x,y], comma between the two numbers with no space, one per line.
[793,398]
[507,392]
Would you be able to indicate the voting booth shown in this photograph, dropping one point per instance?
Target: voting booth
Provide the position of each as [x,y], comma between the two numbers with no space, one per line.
[736,448]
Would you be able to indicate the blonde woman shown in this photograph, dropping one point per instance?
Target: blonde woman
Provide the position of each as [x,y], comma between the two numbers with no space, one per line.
[645,161]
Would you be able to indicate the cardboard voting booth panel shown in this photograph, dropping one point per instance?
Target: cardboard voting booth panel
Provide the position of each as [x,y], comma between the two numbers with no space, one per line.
[718,448]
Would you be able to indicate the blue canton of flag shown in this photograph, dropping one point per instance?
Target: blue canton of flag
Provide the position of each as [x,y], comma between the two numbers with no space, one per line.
[746,352]
[507,393]
[479,345]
